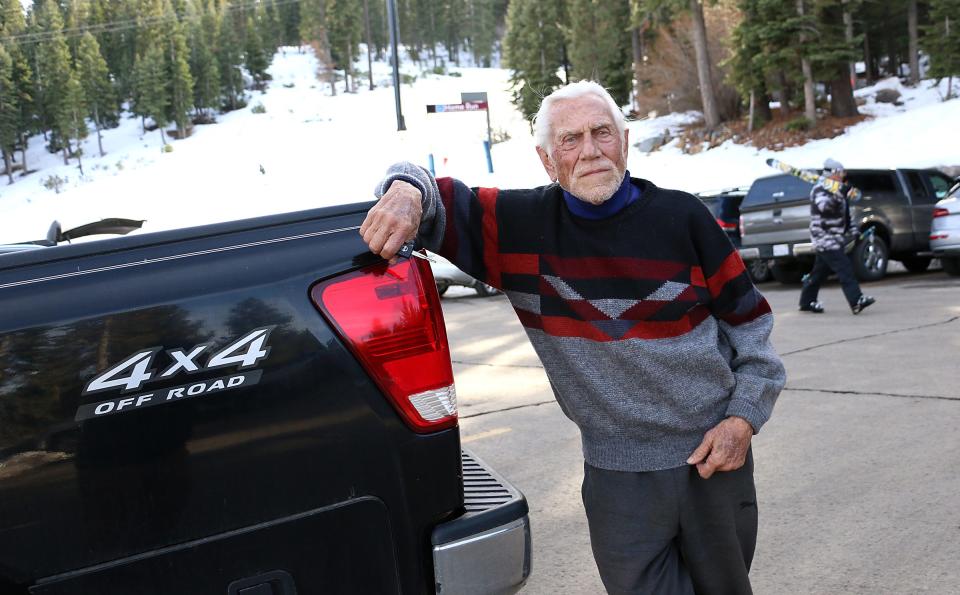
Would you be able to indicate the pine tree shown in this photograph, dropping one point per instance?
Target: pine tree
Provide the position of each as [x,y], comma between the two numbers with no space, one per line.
[942,41]
[534,50]
[599,45]
[151,99]
[15,24]
[255,56]
[747,70]
[344,25]
[230,58]
[95,78]
[178,72]
[483,31]
[204,66]
[830,54]
[9,111]
[53,74]
[71,120]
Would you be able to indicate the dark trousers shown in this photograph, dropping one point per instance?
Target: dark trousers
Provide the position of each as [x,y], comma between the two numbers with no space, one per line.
[672,532]
[830,260]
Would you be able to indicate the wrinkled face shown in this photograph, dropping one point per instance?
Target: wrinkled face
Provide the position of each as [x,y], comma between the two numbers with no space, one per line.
[587,154]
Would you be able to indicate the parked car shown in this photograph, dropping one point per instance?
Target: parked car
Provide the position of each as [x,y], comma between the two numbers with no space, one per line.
[945,231]
[891,220]
[446,274]
[725,206]
[254,407]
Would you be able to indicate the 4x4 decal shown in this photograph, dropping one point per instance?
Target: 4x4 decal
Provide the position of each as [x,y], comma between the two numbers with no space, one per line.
[134,371]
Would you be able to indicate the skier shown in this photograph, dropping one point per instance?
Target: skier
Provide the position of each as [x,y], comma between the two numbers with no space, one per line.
[829,224]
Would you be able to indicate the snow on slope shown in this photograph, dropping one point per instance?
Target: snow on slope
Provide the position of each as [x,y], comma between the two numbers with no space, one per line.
[311,149]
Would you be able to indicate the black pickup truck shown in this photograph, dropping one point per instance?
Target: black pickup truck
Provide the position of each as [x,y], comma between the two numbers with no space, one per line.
[259,407]
[896,210]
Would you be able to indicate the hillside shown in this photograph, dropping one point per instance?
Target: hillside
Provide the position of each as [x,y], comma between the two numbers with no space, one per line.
[311,149]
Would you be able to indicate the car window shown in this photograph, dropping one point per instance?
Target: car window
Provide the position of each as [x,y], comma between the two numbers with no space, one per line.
[776,189]
[941,184]
[872,183]
[918,190]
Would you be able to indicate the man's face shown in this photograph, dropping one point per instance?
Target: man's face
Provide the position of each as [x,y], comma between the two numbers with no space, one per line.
[588,157]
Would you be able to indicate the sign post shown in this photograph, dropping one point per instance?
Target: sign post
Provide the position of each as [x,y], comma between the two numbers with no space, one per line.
[470,102]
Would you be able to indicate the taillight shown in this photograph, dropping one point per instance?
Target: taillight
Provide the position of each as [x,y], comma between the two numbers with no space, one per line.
[940,212]
[392,322]
[726,226]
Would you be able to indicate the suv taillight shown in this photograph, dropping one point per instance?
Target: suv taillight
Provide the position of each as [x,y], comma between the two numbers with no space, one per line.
[726,226]
[390,318]
[939,212]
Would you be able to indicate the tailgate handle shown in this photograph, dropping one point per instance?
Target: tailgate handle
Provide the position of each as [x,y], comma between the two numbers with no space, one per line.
[275,582]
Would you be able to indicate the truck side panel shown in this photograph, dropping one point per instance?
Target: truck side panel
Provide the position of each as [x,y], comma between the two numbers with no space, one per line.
[94,473]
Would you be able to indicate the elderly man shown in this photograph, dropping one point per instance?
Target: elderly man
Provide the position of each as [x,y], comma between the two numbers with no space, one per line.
[829,224]
[654,339]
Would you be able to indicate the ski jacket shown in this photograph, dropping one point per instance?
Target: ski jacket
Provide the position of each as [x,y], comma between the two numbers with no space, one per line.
[829,218]
[646,322]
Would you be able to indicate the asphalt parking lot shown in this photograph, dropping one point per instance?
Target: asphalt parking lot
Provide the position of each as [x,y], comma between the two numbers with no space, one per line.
[858,471]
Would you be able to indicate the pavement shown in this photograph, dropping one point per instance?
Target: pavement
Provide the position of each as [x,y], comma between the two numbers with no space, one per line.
[857,472]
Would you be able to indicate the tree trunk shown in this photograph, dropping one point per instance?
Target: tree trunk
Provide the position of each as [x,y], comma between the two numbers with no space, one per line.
[867,59]
[763,103]
[66,151]
[637,65]
[914,50]
[710,113]
[6,161]
[366,20]
[809,105]
[23,154]
[785,90]
[96,122]
[848,36]
[842,103]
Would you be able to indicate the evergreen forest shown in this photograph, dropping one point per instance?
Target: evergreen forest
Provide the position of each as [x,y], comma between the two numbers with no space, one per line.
[71,68]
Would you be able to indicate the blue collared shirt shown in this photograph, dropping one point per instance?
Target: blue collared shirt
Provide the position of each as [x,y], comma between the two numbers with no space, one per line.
[625,195]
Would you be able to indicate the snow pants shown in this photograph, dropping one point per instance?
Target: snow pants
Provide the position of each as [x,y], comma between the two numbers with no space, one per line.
[839,263]
[672,532]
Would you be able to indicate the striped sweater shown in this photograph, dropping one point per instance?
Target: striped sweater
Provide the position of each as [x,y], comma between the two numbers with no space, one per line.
[646,322]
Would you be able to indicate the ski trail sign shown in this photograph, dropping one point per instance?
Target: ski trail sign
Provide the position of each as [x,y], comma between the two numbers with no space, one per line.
[814,178]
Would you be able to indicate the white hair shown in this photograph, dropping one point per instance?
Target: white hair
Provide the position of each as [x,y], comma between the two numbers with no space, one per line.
[542,124]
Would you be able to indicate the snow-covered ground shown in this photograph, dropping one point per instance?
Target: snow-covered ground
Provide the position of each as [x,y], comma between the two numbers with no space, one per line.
[311,149]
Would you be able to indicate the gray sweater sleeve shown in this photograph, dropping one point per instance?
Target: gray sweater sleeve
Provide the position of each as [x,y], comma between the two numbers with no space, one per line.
[434,220]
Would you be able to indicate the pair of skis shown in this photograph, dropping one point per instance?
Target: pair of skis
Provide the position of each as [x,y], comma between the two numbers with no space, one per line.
[813,177]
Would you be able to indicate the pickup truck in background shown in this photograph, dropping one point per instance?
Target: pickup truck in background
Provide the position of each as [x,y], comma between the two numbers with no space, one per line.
[259,407]
[892,221]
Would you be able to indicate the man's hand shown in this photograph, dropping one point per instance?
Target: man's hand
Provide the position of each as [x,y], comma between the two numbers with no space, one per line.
[393,220]
[724,447]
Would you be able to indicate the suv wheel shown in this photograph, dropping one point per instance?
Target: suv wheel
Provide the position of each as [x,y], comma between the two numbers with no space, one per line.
[787,273]
[759,270]
[916,264]
[951,265]
[870,258]
[484,290]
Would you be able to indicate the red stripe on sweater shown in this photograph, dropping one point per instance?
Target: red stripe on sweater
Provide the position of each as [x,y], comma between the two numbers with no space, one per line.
[561,326]
[696,277]
[734,319]
[450,243]
[668,329]
[613,267]
[491,242]
[520,264]
[731,268]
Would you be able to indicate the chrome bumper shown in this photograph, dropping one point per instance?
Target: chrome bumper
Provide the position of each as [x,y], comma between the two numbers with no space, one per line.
[486,551]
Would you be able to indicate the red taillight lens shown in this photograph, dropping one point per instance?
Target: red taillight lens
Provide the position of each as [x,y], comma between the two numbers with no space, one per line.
[727,226]
[938,212]
[390,318]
